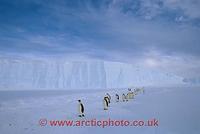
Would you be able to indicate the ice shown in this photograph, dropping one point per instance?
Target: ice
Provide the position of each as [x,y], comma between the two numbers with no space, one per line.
[177,110]
[22,73]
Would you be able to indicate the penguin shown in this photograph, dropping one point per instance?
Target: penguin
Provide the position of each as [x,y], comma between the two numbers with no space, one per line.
[117,97]
[127,95]
[105,103]
[109,97]
[130,94]
[80,109]
[123,97]
[135,90]
[108,100]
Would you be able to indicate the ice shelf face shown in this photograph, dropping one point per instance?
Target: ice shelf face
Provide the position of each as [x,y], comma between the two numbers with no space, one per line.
[22,73]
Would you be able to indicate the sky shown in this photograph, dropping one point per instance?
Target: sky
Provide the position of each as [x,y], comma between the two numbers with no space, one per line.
[159,34]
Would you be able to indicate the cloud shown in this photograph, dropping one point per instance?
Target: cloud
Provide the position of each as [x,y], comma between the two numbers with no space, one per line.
[165,9]
[156,33]
[190,8]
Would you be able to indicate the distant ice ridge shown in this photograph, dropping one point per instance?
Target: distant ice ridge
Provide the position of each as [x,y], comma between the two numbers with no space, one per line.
[22,73]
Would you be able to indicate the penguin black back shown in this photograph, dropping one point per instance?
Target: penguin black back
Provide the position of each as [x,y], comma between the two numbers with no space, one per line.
[106,100]
[82,108]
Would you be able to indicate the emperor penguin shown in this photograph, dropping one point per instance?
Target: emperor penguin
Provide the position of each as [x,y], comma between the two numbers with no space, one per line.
[123,97]
[135,91]
[127,96]
[105,103]
[109,97]
[117,97]
[131,95]
[108,100]
[80,109]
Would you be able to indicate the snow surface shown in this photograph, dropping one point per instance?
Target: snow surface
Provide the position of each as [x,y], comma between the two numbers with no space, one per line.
[22,73]
[177,109]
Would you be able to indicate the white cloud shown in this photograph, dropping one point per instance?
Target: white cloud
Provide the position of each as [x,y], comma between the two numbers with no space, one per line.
[190,8]
[149,9]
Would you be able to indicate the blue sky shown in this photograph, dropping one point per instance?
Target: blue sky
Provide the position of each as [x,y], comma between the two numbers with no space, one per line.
[161,34]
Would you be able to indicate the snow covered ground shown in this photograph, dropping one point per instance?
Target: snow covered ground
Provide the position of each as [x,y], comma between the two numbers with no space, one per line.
[177,109]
